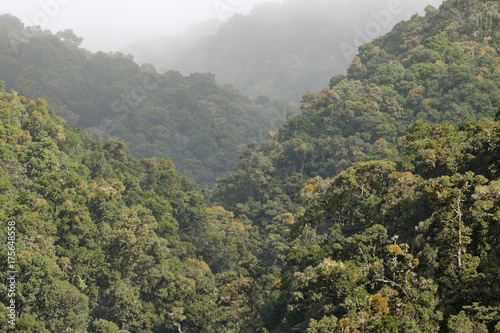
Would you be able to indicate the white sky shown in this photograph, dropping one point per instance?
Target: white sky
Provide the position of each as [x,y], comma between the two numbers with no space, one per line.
[107,25]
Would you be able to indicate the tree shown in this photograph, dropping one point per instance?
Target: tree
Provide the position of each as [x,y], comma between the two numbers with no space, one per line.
[121,305]
[64,308]
[460,323]
[104,326]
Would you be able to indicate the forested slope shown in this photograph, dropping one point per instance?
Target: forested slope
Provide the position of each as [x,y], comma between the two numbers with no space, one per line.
[428,68]
[443,69]
[191,119]
[109,243]
[103,241]
[279,50]
[405,246]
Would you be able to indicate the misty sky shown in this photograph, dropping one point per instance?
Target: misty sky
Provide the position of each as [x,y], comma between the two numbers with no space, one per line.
[108,25]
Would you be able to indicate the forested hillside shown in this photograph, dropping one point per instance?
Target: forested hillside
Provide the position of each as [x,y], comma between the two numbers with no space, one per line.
[103,241]
[280,50]
[191,119]
[375,210]
[431,68]
[443,69]
[108,243]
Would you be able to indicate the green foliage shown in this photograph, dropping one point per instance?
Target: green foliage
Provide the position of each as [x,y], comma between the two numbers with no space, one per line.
[104,326]
[460,323]
[325,324]
[191,119]
[424,69]
[377,209]
[64,308]
[105,241]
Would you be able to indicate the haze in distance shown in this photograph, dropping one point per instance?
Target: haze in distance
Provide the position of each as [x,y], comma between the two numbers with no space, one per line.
[110,25]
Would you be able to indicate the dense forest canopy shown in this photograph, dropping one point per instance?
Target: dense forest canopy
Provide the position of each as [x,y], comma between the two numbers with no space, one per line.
[105,241]
[377,209]
[110,243]
[198,123]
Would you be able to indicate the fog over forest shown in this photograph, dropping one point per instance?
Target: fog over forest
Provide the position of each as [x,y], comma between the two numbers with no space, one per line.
[113,24]
[274,48]
[279,50]
[242,166]
[109,25]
